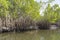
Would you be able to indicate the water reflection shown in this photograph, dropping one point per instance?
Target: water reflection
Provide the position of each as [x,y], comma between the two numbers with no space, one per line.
[32,35]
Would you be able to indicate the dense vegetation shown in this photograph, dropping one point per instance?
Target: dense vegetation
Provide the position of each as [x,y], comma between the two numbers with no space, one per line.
[11,10]
[25,13]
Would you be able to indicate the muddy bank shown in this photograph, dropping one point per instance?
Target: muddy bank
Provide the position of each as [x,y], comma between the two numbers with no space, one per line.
[22,29]
[24,24]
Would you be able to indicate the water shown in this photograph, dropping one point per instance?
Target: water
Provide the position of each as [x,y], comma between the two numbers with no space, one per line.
[32,35]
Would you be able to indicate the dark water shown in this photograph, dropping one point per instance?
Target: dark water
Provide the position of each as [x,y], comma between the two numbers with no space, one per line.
[32,35]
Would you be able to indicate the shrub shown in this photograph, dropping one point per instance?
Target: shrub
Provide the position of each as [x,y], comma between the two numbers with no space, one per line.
[24,23]
[43,24]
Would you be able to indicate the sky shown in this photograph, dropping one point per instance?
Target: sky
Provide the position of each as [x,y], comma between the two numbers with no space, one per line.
[57,1]
[54,2]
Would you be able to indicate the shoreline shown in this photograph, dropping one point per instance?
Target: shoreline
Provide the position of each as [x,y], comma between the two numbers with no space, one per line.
[14,29]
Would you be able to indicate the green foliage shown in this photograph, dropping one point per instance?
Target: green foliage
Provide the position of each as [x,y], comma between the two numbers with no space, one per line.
[52,13]
[18,8]
[24,8]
